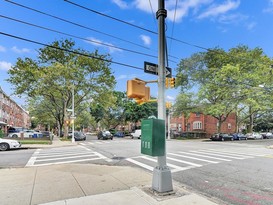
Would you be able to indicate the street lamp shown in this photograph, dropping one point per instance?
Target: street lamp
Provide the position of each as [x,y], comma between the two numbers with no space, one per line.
[72,116]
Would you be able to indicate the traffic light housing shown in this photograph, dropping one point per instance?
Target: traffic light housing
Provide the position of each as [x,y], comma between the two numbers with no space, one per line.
[167,82]
[168,104]
[172,82]
[135,89]
[67,122]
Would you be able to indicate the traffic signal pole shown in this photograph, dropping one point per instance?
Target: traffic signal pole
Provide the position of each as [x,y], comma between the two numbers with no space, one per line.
[162,178]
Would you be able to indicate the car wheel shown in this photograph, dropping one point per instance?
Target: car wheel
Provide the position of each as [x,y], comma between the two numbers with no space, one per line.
[132,137]
[14,136]
[4,146]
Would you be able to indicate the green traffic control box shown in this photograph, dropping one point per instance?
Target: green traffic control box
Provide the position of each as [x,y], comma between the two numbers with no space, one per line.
[153,137]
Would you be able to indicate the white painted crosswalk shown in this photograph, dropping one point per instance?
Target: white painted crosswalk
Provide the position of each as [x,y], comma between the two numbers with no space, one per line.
[184,160]
[64,155]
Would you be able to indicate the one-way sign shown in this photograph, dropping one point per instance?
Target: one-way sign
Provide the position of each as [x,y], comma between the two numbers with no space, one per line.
[153,69]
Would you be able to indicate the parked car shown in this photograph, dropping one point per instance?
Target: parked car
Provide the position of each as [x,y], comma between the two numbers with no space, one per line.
[119,134]
[136,134]
[239,136]
[267,135]
[26,134]
[254,135]
[221,137]
[104,135]
[6,144]
[79,136]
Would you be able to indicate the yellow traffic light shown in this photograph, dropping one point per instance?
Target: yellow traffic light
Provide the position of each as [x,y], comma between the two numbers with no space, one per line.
[172,82]
[67,122]
[140,101]
[135,89]
[168,105]
[167,82]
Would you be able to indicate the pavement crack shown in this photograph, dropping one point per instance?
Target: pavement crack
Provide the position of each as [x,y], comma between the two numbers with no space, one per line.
[79,184]
[32,191]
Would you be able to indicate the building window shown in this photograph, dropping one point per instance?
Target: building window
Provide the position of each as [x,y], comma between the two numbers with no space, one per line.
[229,126]
[197,114]
[197,125]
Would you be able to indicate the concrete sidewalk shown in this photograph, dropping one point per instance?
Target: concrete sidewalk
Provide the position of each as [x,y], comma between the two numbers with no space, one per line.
[86,184]
[73,184]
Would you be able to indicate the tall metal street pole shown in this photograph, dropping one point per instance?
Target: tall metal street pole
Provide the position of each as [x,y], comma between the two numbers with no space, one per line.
[73,115]
[162,177]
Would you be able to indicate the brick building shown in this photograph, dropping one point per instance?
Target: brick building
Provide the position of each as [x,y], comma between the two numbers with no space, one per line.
[12,114]
[205,125]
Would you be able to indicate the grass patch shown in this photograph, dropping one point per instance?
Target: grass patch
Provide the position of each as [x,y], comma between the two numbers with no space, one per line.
[35,142]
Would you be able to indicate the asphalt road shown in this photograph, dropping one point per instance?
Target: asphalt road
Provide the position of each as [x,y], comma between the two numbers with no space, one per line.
[236,173]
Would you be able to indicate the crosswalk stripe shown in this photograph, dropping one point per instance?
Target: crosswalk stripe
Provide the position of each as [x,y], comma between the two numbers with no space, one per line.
[210,157]
[32,160]
[185,162]
[64,154]
[52,159]
[140,164]
[227,154]
[256,155]
[213,154]
[168,164]
[204,160]
[64,162]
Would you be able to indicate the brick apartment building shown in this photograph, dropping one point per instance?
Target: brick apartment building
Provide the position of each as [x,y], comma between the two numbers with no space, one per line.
[12,114]
[205,125]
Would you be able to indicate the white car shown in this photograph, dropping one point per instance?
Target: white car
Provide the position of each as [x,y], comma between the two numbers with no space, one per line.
[6,144]
[26,134]
[254,136]
[136,134]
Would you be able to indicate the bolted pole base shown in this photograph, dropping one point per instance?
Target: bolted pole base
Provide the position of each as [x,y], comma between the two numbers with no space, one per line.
[162,179]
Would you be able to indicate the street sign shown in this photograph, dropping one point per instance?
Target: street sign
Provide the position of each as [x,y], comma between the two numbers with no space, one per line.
[153,69]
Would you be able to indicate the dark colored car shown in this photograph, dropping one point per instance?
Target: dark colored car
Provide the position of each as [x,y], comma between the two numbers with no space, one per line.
[104,135]
[221,137]
[79,136]
[239,136]
[119,134]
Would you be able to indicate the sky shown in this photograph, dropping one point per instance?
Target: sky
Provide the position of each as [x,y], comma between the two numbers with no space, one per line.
[127,31]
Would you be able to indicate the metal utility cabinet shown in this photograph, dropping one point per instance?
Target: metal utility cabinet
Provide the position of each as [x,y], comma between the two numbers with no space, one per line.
[153,137]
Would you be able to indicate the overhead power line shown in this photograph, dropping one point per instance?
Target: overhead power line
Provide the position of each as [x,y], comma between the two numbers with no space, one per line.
[69,51]
[76,24]
[85,39]
[133,25]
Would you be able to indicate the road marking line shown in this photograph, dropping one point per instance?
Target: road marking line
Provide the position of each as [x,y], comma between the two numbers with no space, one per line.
[199,155]
[140,164]
[204,160]
[258,155]
[213,154]
[32,160]
[73,157]
[101,156]
[69,154]
[64,162]
[228,154]
[185,162]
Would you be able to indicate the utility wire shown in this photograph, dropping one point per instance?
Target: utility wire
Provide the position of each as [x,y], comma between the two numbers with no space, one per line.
[69,51]
[85,39]
[76,24]
[113,18]
[174,19]
[133,25]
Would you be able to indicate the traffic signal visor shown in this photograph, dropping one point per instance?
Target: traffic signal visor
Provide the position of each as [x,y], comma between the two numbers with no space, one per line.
[172,82]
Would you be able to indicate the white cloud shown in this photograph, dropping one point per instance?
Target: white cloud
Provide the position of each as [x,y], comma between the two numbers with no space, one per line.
[99,43]
[146,40]
[2,49]
[182,9]
[17,50]
[251,25]
[122,77]
[232,18]
[269,9]
[171,98]
[216,10]
[121,4]
[5,65]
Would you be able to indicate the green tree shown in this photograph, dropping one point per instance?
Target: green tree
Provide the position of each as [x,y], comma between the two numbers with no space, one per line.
[57,72]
